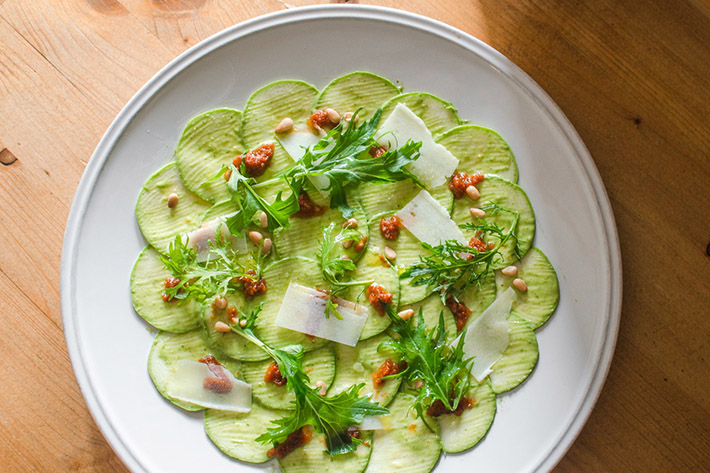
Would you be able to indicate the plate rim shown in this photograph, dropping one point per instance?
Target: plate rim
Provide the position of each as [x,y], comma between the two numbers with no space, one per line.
[604,351]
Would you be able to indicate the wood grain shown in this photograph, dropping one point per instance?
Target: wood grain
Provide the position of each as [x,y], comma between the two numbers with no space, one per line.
[631,76]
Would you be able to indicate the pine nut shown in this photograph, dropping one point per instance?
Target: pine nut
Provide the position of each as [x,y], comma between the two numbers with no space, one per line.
[173,200]
[255,237]
[333,115]
[220,302]
[264,220]
[349,116]
[346,258]
[473,192]
[418,384]
[510,270]
[390,254]
[406,314]
[266,249]
[284,125]
[323,388]
[234,320]
[350,223]
[222,327]
[476,212]
[347,244]
[520,285]
[242,323]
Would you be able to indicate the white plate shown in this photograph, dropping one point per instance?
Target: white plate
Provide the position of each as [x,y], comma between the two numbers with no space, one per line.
[109,344]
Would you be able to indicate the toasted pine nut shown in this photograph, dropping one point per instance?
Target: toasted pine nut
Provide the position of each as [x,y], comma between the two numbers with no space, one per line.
[222,327]
[284,125]
[510,270]
[349,116]
[242,323]
[418,384]
[234,320]
[227,174]
[220,302]
[476,212]
[390,254]
[323,388]
[346,258]
[173,200]
[520,285]
[350,223]
[255,237]
[406,314]
[333,115]
[266,249]
[473,192]
[264,220]
[347,244]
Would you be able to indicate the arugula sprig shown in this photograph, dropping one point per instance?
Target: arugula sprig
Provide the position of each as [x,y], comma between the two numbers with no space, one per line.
[330,416]
[452,267]
[341,157]
[202,280]
[431,360]
[250,202]
[335,269]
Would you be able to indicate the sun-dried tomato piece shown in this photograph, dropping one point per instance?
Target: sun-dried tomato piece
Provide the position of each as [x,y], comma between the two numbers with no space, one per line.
[460,181]
[460,311]
[308,208]
[295,439]
[255,161]
[273,375]
[387,368]
[378,297]
[389,227]
[437,407]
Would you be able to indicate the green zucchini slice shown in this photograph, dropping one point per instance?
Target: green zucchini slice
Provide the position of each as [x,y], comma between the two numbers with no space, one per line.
[356,90]
[480,150]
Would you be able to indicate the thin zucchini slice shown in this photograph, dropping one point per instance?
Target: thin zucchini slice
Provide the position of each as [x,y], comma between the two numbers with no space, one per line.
[278,275]
[519,358]
[159,223]
[266,108]
[169,348]
[505,194]
[319,365]
[313,457]
[431,308]
[480,150]
[147,286]
[438,115]
[208,142]
[235,433]
[356,365]
[537,304]
[411,448]
[357,90]
[478,298]
[459,433]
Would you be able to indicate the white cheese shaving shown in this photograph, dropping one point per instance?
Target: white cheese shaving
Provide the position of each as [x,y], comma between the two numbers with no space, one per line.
[435,163]
[187,383]
[487,336]
[429,221]
[303,310]
[296,142]
[201,238]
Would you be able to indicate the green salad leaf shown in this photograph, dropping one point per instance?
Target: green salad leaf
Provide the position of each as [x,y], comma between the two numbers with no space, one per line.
[342,157]
[330,416]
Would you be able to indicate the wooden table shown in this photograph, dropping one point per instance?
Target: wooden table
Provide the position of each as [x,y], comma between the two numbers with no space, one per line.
[633,77]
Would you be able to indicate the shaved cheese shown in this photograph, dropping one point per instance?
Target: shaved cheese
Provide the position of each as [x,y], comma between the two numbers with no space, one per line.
[201,238]
[435,163]
[187,383]
[487,336]
[303,310]
[296,142]
[429,221]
